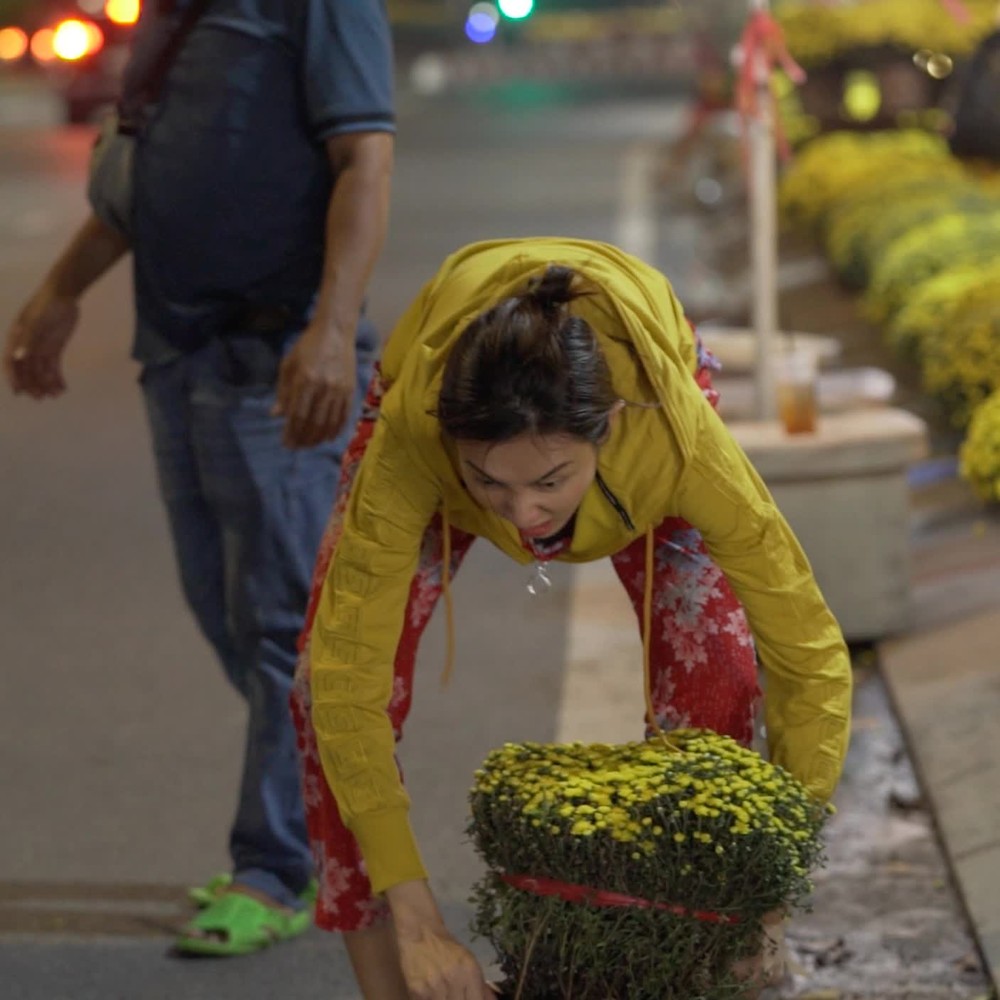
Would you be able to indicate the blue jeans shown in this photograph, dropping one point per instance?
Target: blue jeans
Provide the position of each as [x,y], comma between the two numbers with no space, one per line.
[246,515]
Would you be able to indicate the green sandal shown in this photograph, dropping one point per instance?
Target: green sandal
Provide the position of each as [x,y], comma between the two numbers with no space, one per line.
[215,888]
[218,885]
[239,925]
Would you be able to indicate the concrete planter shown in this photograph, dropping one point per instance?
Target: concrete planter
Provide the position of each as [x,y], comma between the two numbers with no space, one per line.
[844,492]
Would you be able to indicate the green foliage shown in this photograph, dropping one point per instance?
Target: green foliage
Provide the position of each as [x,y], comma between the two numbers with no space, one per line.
[979,458]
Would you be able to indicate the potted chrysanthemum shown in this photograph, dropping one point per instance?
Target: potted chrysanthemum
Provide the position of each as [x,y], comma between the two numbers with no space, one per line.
[645,870]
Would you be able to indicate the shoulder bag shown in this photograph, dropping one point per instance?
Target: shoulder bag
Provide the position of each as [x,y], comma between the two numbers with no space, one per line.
[109,180]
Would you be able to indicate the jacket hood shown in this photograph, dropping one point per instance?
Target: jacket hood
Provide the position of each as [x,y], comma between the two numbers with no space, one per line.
[632,310]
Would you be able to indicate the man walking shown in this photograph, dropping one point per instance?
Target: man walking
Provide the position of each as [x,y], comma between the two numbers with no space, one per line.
[261,189]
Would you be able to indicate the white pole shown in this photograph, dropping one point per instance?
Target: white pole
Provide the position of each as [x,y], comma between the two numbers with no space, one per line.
[763,232]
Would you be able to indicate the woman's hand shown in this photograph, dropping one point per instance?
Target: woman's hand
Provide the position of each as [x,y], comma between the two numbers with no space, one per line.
[435,965]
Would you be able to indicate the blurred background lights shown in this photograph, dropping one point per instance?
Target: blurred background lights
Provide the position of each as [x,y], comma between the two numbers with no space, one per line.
[429,74]
[940,65]
[481,24]
[75,39]
[708,191]
[862,95]
[41,45]
[13,44]
[516,9]
[935,64]
[122,11]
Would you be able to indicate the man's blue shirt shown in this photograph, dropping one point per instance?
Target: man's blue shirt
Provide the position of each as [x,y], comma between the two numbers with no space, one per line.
[232,179]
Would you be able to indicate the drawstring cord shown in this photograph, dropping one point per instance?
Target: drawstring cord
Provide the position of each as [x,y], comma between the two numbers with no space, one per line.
[647,625]
[449,662]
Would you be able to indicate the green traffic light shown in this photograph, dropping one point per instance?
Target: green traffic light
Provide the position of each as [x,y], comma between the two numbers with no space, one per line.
[516,10]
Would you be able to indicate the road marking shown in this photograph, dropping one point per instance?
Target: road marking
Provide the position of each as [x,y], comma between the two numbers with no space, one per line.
[119,910]
[602,698]
[637,219]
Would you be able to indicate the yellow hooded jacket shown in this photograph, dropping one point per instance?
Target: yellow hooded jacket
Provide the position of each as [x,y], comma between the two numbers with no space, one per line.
[672,459]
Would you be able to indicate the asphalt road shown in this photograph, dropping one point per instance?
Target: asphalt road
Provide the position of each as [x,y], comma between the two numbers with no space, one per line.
[119,741]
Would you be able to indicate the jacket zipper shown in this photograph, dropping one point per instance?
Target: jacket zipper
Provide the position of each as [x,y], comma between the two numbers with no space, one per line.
[615,502]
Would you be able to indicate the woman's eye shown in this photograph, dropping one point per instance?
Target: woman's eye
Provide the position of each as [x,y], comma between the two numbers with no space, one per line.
[548,486]
[488,483]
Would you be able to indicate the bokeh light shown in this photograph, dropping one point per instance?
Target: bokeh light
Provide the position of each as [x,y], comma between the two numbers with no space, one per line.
[516,9]
[13,44]
[862,95]
[41,45]
[940,66]
[75,39]
[481,24]
[122,11]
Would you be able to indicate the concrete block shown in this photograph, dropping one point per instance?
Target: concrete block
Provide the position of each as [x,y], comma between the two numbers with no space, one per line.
[844,492]
[978,876]
[945,687]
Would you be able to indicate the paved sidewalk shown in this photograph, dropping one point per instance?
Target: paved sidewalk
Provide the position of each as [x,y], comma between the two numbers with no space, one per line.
[944,681]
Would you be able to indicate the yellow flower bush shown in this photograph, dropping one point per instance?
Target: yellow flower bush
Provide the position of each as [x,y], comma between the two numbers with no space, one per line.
[837,164]
[931,307]
[979,457]
[960,365]
[701,835]
[817,34]
[865,222]
[952,239]
[919,229]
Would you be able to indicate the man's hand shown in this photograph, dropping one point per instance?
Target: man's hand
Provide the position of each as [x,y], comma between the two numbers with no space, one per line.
[316,386]
[32,356]
[435,966]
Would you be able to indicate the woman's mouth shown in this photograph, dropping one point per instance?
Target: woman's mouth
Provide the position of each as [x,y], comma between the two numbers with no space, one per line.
[538,531]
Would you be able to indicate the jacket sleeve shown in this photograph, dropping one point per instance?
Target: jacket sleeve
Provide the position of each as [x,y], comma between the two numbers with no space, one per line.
[352,649]
[807,669]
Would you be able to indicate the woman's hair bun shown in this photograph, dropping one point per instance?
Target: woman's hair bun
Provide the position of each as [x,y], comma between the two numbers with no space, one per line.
[550,291]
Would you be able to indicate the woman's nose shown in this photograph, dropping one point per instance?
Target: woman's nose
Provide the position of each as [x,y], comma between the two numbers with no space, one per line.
[524,512]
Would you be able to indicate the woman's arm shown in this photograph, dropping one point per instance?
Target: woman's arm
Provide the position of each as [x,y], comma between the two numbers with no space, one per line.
[352,647]
[352,650]
[799,643]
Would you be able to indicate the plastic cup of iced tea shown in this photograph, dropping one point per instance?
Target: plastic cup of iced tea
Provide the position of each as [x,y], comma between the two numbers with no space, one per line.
[795,381]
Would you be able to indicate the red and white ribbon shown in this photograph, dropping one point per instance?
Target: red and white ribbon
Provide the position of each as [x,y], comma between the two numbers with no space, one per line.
[762,48]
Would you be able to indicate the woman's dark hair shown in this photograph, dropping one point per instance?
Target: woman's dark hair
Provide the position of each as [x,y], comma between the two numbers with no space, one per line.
[527,366]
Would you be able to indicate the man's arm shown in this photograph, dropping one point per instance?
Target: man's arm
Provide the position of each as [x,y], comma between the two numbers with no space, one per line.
[316,384]
[32,357]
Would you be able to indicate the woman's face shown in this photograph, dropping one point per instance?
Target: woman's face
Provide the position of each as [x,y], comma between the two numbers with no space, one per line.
[534,481]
